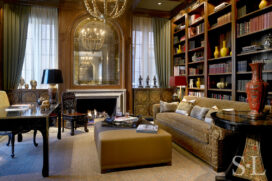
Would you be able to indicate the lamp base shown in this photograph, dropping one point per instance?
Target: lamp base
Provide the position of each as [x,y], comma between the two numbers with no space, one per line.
[52,92]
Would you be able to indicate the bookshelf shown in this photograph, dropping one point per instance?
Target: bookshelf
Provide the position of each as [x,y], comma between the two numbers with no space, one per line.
[240,23]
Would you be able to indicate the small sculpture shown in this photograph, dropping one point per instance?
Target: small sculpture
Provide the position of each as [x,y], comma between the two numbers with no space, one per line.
[147,82]
[33,84]
[140,82]
[22,83]
[155,82]
[268,41]
[26,86]
[45,105]
[191,84]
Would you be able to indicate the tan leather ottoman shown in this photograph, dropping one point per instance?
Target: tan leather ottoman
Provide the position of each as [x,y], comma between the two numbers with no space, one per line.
[119,148]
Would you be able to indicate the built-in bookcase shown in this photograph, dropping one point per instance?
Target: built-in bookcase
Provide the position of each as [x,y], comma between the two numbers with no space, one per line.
[202,26]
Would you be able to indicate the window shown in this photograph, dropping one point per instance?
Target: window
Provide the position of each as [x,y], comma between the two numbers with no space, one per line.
[41,45]
[143,51]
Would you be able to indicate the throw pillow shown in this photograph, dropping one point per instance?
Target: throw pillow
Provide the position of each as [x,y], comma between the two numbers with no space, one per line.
[184,108]
[191,101]
[168,107]
[199,112]
[208,118]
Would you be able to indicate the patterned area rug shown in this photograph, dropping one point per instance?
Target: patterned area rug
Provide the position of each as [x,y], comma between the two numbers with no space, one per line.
[74,158]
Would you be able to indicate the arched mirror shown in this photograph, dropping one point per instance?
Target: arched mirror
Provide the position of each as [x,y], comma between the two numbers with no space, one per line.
[96,54]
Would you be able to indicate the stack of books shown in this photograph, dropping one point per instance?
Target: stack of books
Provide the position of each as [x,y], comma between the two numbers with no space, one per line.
[147,128]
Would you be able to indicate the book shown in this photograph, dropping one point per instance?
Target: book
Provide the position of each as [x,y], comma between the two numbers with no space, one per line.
[147,128]
[126,119]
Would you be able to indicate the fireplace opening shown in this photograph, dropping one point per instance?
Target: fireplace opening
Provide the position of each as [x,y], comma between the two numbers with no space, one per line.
[100,105]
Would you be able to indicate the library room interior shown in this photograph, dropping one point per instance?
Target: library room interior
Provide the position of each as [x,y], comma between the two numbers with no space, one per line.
[125,90]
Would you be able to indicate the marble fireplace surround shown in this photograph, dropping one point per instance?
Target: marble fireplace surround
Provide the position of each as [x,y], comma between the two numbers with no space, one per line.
[119,94]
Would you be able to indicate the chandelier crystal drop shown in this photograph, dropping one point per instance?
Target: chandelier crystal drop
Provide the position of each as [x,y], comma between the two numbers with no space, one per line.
[105,9]
[92,38]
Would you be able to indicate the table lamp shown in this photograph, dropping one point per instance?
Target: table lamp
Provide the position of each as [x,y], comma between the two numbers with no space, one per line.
[52,77]
[178,81]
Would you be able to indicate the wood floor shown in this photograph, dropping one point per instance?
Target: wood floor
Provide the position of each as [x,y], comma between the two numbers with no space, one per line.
[75,159]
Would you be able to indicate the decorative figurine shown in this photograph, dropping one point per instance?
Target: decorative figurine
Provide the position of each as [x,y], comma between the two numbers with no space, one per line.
[191,84]
[22,83]
[147,82]
[33,84]
[155,82]
[140,82]
[26,86]
[268,41]
[216,52]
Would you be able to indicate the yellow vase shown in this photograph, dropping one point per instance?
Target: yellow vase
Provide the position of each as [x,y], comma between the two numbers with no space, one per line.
[263,4]
[198,83]
[223,51]
[179,49]
[216,52]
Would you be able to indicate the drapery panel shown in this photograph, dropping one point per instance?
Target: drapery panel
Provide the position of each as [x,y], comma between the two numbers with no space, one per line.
[162,47]
[15,32]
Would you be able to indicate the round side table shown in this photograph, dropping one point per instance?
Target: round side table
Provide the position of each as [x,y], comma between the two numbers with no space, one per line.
[252,160]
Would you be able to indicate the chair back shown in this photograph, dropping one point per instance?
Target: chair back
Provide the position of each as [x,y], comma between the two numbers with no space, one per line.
[4,101]
[68,102]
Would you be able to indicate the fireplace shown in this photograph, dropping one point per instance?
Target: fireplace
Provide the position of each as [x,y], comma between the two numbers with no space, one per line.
[109,100]
[107,105]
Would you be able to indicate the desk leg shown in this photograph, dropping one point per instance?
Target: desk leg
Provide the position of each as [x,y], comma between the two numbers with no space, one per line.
[59,125]
[72,127]
[45,170]
[12,144]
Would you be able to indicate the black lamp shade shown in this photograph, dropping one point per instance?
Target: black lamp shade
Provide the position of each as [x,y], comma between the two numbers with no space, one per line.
[52,76]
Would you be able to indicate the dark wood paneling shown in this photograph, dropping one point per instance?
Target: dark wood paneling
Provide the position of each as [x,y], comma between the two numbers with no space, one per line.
[1,45]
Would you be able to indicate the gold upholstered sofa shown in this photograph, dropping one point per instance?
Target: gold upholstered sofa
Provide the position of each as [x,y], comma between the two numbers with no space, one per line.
[212,144]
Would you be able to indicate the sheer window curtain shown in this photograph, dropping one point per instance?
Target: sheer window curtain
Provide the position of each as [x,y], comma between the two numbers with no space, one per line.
[42,44]
[143,51]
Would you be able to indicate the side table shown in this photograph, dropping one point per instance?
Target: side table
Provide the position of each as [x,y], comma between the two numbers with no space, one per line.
[74,118]
[252,160]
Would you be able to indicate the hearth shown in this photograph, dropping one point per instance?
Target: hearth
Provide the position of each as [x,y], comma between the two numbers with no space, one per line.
[107,105]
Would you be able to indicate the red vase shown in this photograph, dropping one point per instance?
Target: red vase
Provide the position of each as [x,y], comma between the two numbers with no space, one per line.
[256,91]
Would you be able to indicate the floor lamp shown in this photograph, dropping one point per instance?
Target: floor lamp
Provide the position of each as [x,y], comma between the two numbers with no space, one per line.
[178,81]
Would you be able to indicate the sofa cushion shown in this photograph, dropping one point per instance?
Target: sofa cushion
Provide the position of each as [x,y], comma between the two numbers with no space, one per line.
[189,126]
[199,112]
[208,118]
[184,108]
[168,107]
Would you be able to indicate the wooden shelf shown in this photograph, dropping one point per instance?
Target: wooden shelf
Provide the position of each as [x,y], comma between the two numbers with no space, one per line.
[177,55]
[180,65]
[220,11]
[255,13]
[243,73]
[226,73]
[196,49]
[197,62]
[193,37]
[198,75]
[177,32]
[220,58]
[238,91]
[219,26]
[196,9]
[253,33]
[220,90]
[179,20]
[197,22]
[196,89]
[255,52]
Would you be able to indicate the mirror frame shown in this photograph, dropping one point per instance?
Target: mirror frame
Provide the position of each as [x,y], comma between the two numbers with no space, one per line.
[119,32]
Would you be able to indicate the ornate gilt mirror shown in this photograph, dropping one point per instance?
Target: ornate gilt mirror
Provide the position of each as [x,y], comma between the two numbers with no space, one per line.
[96,54]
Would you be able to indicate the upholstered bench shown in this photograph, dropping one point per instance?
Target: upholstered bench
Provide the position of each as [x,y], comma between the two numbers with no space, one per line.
[123,147]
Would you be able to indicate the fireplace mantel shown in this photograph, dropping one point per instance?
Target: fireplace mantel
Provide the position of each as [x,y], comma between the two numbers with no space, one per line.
[119,94]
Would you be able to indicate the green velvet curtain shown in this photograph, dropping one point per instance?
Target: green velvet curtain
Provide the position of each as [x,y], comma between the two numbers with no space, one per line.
[162,41]
[15,33]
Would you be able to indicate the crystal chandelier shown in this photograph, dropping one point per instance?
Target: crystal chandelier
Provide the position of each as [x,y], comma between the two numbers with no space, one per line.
[106,9]
[92,37]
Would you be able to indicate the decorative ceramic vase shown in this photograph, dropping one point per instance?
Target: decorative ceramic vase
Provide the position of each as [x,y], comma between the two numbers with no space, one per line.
[216,52]
[263,4]
[268,41]
[223,51]
[198,83]
[256,91]
[221,84]
[179,49]
[230,53]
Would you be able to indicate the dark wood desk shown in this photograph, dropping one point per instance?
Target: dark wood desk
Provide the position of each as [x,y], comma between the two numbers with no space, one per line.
[252,160]
[31,119]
